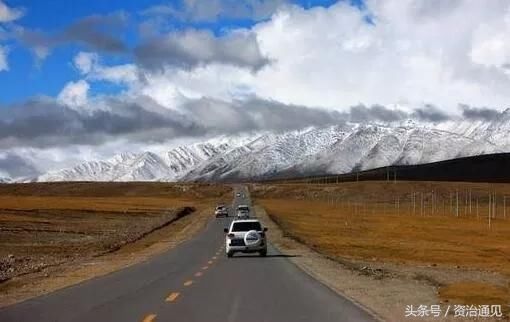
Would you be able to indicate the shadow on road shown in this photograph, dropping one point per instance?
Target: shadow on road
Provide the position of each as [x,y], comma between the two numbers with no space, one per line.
[267,256]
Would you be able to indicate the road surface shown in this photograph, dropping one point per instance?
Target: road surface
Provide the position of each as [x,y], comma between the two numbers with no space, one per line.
[195,282]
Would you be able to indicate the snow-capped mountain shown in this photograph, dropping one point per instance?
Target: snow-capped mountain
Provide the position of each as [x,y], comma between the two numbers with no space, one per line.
[147,166]
[5,180]
[333,149]
[369,147]
[267,154]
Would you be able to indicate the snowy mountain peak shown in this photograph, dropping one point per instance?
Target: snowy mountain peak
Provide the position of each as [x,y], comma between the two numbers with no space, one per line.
[5,180]
[315,150]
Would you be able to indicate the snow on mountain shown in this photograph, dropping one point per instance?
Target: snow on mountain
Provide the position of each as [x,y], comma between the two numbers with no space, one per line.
[371,147]
[338,149]
[333,149]
[496,131]
[5,180]
[268,154]
[146,166]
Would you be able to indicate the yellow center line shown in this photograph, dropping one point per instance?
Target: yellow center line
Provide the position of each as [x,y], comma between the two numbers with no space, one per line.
[149,318]
[198,274]
[205,267]
[188,283]
[172,297]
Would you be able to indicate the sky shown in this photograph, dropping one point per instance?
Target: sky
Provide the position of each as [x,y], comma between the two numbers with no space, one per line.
[83,80]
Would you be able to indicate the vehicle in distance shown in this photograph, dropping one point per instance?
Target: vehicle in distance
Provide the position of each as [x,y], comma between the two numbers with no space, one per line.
[238,194]
[243,212]
[245,236]
[221,211]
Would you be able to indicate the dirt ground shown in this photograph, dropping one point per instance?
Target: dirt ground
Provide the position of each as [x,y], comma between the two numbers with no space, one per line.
[384,230]
[54,235]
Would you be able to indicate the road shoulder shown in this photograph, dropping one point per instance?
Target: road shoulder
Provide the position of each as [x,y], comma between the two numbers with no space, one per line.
[385,298]
[54,278]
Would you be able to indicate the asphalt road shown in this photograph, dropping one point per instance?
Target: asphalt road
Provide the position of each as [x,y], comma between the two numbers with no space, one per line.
[195,282]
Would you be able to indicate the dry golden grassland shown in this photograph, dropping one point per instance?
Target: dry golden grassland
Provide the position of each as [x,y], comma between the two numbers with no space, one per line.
[46,224]
[409,224]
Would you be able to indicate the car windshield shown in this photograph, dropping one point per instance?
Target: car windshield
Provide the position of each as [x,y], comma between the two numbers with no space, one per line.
[243,209]
[246,226]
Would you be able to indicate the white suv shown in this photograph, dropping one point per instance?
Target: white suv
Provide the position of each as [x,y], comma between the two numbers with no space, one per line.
[243,212]
[246,236]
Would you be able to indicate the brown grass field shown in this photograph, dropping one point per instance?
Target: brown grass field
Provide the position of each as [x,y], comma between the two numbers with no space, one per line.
[47,224]
[383,222]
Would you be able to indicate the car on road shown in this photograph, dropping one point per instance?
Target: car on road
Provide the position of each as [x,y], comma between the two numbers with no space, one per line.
[245,236]
[243,212]
[238,194]
[221,211]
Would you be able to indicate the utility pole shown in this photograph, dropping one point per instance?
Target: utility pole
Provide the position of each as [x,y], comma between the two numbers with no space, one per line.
[490,205]
[414,203]
[477,209]
[504,207]
[451,202]
[457,212]
[470,202]
[490,208]
[494,205]
[433,204]
[421,211]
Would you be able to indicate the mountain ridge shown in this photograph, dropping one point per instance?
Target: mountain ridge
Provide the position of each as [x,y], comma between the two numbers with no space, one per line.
[331,149]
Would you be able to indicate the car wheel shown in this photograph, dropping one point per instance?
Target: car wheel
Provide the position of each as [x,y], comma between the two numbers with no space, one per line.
[263,253]
[230,254]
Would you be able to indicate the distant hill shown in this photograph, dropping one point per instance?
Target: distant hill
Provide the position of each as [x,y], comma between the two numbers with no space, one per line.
[494,168]
[341,148]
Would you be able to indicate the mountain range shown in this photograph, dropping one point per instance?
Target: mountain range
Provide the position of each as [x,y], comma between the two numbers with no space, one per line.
[316,150]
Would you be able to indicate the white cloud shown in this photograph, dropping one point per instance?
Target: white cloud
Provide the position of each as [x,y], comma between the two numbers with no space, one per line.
[490,46]
[85,61]
[88,64]
[411,54]
[415,52]
[8,14]
[4,66]
[74,94]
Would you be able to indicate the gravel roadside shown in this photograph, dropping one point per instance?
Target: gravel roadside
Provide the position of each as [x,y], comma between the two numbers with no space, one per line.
[383,292]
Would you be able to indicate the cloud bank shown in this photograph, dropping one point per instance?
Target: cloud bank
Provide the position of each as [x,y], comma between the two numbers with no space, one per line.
[97,32]
[212,10]
[387,61]
[193,48]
